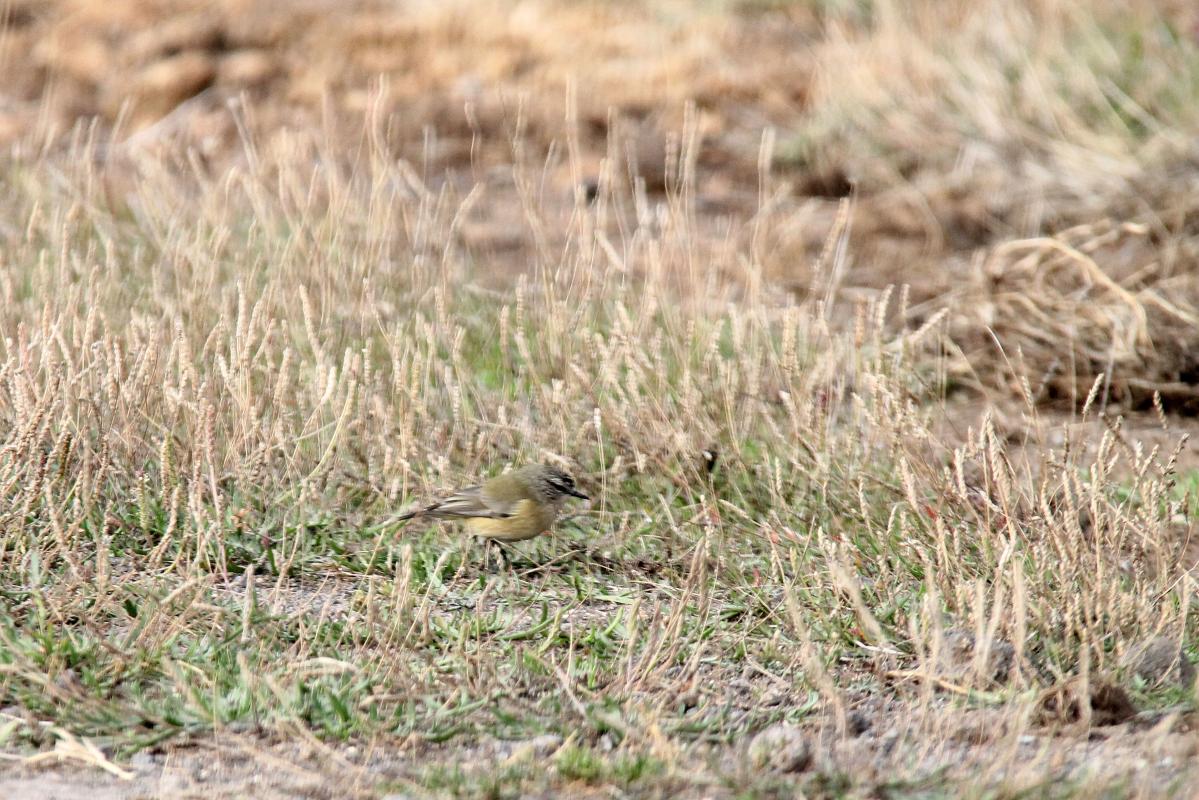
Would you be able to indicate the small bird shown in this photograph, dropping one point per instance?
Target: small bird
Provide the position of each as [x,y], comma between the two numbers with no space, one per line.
[512,507]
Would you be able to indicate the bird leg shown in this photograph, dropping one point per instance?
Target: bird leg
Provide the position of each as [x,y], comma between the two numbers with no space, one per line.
[503,556]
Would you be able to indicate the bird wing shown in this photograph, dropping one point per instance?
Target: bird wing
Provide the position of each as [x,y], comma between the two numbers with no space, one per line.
[472,501]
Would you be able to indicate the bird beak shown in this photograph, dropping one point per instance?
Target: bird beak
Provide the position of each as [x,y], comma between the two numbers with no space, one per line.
[578,494]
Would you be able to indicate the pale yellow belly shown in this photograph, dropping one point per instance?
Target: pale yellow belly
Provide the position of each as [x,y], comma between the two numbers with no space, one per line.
[528,521]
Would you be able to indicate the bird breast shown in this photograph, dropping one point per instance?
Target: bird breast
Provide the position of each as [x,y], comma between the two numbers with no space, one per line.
[528,519]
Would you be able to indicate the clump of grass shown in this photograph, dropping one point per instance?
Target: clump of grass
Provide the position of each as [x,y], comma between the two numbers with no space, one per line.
[1070,323]
[1047,89]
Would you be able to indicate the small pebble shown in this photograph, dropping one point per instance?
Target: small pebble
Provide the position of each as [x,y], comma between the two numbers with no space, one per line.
[546,744]
[782,748]
[1159,659]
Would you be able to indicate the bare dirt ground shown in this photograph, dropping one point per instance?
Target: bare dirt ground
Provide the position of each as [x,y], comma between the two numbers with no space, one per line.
[229,765]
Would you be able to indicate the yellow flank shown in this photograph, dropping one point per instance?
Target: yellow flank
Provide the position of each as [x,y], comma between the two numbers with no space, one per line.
[528,520]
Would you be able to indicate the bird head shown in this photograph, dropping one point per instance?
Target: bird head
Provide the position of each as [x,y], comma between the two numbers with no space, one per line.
[552,484]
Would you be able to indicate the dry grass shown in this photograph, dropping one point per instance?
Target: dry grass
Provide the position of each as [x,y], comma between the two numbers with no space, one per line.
[1073,323]
[219,377]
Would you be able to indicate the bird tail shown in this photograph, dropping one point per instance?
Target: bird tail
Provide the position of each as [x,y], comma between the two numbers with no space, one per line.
[398,518]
